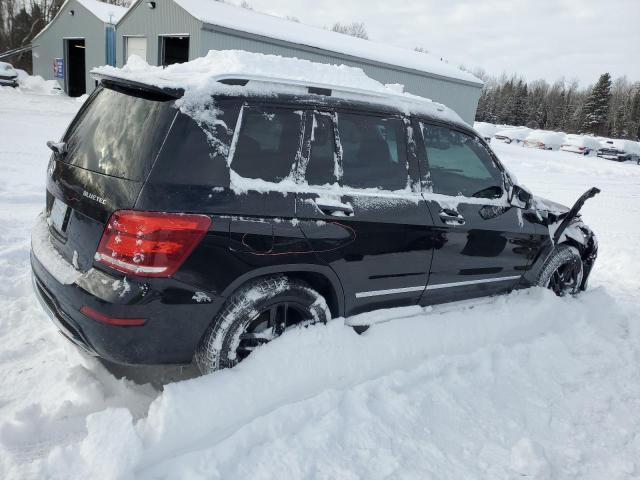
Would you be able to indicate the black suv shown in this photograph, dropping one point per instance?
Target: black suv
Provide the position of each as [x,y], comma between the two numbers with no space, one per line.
[167,238]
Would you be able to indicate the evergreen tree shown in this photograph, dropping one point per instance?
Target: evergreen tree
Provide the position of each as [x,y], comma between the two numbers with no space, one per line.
[596,108]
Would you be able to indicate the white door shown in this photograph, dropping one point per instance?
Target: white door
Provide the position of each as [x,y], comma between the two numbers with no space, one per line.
[136,46]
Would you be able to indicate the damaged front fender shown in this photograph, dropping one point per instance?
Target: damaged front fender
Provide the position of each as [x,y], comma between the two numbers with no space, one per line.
[566,227]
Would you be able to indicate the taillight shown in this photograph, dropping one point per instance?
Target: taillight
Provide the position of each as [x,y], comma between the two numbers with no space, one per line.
[102,318]
[150,244]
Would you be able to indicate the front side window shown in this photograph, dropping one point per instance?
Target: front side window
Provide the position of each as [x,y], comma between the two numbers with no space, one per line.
[373,151]
[460,165]
[268,143]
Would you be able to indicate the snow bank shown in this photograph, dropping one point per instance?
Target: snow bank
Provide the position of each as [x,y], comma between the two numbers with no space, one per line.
[198,78]
[551,140]
[447,381]
[38,85]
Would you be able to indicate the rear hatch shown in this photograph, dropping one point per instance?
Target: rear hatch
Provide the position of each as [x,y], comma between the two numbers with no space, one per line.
[111,146]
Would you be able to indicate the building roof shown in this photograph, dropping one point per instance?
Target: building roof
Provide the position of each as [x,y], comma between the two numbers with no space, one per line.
[229,16]
[105,12]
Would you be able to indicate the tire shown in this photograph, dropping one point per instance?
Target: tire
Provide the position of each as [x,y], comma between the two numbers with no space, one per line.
[247,319]
[562,272]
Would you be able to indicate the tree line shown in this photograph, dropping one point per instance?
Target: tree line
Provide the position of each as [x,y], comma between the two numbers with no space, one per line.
[610,108]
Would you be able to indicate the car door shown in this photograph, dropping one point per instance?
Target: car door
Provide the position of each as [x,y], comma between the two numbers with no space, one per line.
[359,210]
[483,243]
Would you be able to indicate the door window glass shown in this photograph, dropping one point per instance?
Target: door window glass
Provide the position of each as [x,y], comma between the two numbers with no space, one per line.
[321,169]
[268,143]
[373,152]
[459,164]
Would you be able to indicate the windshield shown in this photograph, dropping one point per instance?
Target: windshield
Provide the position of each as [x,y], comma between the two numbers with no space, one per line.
[119,133]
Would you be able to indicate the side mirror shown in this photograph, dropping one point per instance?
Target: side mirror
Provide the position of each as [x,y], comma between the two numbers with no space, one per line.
[59,148]
[520,197]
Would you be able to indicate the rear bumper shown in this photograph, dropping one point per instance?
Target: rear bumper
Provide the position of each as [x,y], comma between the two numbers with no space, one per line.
[175,319]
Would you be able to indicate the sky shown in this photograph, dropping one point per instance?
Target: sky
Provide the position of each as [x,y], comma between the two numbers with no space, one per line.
[549,39]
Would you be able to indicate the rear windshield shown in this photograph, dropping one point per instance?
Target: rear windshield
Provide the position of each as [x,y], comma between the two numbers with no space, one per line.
[119,133]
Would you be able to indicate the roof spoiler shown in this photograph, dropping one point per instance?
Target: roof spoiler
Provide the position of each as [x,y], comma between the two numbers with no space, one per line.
[133,85]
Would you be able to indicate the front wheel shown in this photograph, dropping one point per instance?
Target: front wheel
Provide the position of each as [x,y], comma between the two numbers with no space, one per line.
[562,272]
[256,314]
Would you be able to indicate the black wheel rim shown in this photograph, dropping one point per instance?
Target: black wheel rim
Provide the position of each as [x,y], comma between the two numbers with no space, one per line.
[269,324]
[566,279]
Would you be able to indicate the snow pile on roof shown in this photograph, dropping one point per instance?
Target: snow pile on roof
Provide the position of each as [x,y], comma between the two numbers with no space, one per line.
[549,138]
[230,16]
[104,11]
[515,133]
[199,80]
[582,141]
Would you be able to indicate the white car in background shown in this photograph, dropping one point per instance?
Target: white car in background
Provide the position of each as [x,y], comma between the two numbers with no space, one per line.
[8,75]
[582,144]
[619,150]
[486,130]
[515,134]
[545,140]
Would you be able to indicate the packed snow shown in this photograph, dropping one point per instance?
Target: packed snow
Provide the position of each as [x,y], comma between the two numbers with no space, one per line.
[525,385]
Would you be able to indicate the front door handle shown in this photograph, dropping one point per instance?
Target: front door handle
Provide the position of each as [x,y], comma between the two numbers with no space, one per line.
[335,210]
[451,217]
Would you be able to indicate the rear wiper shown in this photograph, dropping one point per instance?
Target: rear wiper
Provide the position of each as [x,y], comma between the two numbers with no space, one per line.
[59,148]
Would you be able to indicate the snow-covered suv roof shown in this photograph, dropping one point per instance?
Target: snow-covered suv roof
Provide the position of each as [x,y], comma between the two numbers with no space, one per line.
[259,74]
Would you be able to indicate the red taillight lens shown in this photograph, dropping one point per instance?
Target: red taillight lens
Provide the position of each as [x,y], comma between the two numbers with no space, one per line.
[150,244]
[102,318]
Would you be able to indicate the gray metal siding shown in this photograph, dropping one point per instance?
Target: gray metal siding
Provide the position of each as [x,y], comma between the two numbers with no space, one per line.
[166,18]
[83,24]
[461,97]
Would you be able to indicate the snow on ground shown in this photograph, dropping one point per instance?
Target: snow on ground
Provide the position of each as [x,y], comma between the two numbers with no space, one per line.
[524,385]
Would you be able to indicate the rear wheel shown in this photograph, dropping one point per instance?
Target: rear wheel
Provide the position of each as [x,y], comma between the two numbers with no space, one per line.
[562,272]
[256,314]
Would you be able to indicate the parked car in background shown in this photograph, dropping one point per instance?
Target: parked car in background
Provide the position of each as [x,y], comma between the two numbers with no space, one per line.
[8,75]
[545,140]
[486,130]
[516,134]
[620,150]
[582,144]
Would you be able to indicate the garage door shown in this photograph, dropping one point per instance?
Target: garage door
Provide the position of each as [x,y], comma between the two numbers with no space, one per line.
[136,46]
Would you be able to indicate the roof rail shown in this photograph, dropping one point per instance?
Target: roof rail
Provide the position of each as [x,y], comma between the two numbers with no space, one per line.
[319,88]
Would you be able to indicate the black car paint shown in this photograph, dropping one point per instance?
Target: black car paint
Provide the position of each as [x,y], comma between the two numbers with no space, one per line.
[401,243]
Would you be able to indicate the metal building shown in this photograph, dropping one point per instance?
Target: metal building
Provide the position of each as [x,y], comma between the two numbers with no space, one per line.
[173,31]
[80,37]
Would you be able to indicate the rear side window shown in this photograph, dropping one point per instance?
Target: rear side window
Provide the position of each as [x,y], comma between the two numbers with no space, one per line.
[196,154]
[119,134]
[459,164]
[321,169]
[373,151]
[268,143]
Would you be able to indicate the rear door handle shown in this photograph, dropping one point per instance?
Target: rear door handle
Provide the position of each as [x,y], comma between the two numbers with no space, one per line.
[336,210]
[451,217]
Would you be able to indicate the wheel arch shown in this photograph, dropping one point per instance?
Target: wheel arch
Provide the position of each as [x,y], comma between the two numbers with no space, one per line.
[319,277]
